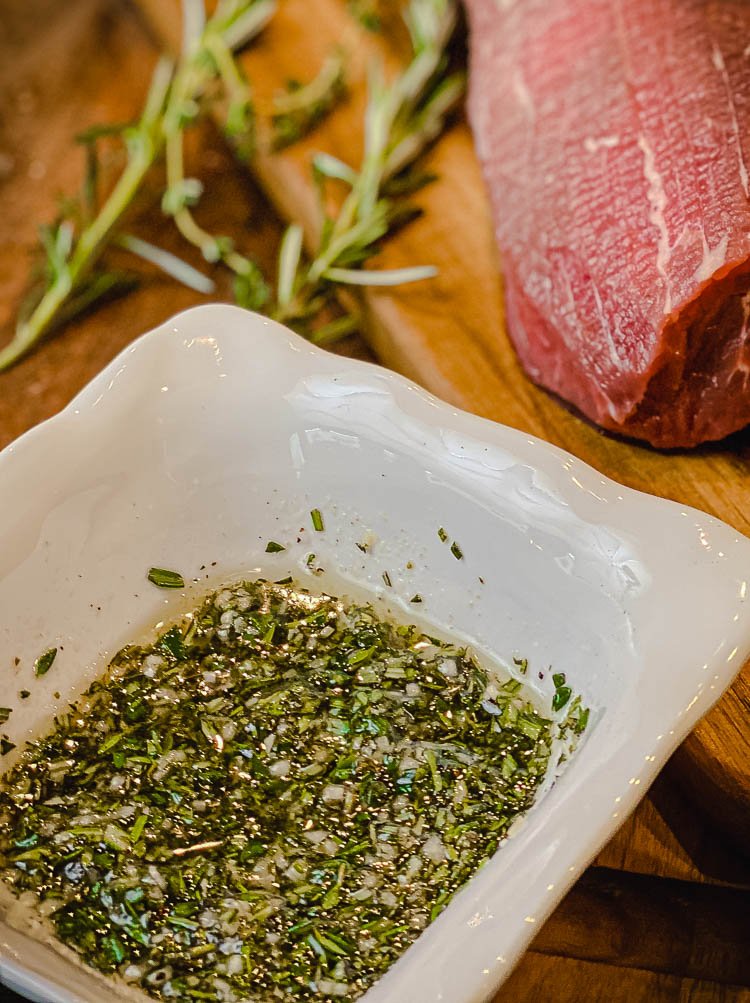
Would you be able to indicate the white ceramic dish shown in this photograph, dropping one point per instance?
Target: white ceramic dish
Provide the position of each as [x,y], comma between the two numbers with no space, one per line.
[221,430]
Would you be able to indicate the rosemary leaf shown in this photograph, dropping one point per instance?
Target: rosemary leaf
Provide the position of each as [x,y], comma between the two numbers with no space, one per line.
[164,579]
[301,107]
[382,277]
[168,263]
[44,663]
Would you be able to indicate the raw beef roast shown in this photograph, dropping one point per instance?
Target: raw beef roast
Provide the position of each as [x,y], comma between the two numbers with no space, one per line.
[615,141]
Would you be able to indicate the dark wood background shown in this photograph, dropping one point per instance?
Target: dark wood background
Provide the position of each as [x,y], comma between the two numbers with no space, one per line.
[663,913]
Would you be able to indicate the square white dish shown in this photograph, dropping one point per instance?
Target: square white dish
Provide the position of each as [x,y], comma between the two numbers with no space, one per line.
[221,430]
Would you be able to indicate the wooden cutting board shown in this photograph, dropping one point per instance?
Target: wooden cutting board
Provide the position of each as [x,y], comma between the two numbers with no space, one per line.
[449,334]
[661,915]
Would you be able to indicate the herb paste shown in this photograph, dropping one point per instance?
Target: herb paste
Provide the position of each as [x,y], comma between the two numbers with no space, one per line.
[271,801]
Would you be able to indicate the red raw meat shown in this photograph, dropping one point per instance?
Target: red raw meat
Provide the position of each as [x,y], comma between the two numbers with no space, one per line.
[615,141]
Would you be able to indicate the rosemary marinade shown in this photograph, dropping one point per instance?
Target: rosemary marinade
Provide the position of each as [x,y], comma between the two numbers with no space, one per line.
[272,800]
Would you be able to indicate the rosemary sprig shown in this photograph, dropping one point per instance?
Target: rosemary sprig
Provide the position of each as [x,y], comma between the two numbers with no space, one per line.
[301,106]
[402,117]
[73,247]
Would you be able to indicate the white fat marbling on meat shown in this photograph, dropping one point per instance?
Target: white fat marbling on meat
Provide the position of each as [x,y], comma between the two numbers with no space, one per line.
[718,60]
[657,198]
[713,258]
[605,327]
[592,144]
[523,95]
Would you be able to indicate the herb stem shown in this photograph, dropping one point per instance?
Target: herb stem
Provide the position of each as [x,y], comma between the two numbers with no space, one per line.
[402,116]
[143,147]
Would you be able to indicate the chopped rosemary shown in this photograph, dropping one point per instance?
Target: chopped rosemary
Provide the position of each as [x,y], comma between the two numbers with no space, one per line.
[317,520]
[563,693]
[165,579]
[44,663]
[272,800]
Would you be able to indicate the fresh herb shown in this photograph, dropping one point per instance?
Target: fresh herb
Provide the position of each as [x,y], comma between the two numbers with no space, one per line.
[442,534]
[416,598]
[44,663]
[6,745]
[317,520]
[403,116]
[5,713]
[270,801]
[274,548]
[456,551]
[165,579]
[387,579]
[302,106]
[73,277]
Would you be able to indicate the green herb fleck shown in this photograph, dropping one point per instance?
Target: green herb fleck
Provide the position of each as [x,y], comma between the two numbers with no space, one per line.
[456,551]
[563,693]
[272,547]
[138,826]
[317,520]
[5,713]
[442,534]
[25,694]
[44,663]
[6,745]
[387,579]
[416,598]
[164,579]
[582,720]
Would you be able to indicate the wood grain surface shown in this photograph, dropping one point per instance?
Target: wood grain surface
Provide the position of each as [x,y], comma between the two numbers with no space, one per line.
[662,914]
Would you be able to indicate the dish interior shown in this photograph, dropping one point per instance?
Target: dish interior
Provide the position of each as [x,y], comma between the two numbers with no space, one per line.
[219,433]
